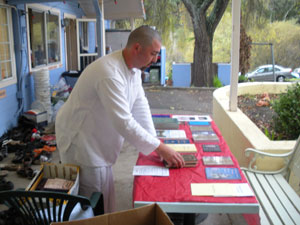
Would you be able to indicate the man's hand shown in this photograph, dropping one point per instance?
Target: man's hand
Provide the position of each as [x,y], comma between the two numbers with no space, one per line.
[173,158]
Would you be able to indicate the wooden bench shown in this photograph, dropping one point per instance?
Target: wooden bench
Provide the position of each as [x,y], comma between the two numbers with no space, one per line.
[279,203]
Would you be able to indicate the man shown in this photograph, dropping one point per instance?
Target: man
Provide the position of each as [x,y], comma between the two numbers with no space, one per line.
[106,106]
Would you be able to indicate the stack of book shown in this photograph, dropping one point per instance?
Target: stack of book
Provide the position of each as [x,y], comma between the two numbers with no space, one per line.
[189,159]
[165,123]
[205,136]
[217,160]
[195,128]
[211,148]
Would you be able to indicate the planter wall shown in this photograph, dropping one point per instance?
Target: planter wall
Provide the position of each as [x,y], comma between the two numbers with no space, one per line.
[240,132]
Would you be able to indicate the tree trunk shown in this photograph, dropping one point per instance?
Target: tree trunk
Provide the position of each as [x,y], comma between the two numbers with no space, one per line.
[202,67]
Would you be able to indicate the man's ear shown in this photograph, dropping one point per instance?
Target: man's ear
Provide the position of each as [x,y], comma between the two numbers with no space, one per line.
[137,47]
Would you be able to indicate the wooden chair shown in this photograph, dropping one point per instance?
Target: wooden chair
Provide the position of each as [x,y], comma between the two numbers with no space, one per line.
[44,207]
[280,204]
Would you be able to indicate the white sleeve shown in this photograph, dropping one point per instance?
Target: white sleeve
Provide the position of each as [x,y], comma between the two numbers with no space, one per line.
[112,94]
[141,112]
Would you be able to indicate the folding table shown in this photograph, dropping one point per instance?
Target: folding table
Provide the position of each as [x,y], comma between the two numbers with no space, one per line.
[173,193]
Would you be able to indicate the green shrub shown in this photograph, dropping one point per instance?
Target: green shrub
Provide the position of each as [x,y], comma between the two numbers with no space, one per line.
[242,79]
[216,82]
[287,107]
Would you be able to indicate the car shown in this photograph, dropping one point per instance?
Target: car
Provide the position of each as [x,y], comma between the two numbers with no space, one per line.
[265,73]
[296,72]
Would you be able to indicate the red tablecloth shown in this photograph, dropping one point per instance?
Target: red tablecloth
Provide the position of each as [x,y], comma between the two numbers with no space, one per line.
[177,187]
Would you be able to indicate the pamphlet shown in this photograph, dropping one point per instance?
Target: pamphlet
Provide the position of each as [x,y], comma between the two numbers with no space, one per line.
[150,171]
[221,189]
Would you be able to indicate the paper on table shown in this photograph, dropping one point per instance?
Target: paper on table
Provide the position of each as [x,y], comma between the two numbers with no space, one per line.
[221,189]
[206,118]
[150,171]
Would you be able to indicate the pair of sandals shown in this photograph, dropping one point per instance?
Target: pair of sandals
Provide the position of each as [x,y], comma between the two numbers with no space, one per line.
[5,185]
[26,170]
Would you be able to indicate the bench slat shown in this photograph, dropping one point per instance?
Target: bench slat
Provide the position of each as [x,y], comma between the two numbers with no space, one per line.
[263,217]
[281,193]
[290,192]
[260,194]
[277,205]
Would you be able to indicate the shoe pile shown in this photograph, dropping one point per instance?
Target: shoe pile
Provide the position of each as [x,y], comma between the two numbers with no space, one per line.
[29,144]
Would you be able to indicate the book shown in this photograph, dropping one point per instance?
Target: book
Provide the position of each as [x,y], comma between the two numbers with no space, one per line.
[217,160]
[222,173]
[199,123]
[211,148]
[205,136]
[58,184]
[161,115]
[184,148]
[190,161]
[176,141]
[165,123]
[201,128]
[171,134]
[221,189]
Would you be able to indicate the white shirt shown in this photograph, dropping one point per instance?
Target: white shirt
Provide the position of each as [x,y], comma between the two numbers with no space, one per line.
[107,104]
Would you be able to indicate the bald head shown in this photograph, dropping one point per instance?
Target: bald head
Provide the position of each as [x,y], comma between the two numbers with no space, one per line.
[144,35]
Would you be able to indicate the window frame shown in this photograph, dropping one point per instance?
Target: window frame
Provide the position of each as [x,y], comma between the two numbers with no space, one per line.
[44,9]
[13,79]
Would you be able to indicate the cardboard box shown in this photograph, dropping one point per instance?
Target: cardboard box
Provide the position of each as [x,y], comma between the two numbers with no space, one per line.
[51,170]
[145,215]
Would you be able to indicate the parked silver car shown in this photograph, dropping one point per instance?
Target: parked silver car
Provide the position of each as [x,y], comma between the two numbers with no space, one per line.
[297,71]
[265,73]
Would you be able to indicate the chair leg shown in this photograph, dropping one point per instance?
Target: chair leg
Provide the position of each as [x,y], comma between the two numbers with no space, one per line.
[99,208]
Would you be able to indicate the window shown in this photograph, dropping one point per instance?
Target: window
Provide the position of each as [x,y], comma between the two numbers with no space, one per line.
[44,36]
[7,60]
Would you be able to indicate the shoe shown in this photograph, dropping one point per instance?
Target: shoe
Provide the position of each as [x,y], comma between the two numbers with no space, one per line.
[9,167]
[6,185]
[19,156]
[3,173]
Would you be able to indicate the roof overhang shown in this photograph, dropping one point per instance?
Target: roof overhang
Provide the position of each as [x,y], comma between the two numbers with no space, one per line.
[115,9]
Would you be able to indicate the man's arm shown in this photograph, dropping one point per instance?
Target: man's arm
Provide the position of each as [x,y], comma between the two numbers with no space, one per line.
[141,112]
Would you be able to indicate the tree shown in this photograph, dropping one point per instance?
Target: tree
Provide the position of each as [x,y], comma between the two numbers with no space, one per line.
[245,51]
[205,15]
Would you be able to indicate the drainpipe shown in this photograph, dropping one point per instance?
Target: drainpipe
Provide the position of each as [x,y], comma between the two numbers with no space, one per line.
[18,36]
[99,17]
[273,61]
